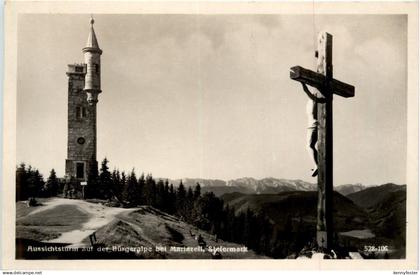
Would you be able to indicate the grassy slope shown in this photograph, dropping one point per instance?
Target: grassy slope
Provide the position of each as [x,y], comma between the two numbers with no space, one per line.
[149,227]
[374,195]
[299,205]
[144,226]
[386,207]
[48,224]
[389,219]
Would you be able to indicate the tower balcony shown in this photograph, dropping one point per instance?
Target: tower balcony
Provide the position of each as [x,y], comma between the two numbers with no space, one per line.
[76,69]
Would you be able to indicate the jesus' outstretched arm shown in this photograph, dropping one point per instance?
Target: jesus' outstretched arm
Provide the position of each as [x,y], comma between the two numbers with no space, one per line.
[312,95]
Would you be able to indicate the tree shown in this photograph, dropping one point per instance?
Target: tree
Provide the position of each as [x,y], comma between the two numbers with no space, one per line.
[197,191]
[132,192]
[190,195]
[52,186]
[141,189]
[180,199]
[123,178]
[181,193]
[117,186]
[21,177]
[105,181]
[29,182]
[189,206]
[172,200]
[124,194]
[166,197]
[247,229]
[150,191]
[35,183]
[160,194]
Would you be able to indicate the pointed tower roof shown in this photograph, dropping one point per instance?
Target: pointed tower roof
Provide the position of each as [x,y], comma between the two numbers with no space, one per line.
[92,42]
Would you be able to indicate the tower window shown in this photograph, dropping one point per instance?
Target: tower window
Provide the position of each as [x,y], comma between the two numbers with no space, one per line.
[79,69]
[96,67]
[80,112]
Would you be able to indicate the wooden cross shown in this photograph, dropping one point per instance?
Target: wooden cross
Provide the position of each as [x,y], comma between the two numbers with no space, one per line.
[323,80]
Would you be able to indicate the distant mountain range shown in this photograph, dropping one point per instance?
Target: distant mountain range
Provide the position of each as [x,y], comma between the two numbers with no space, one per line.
[260,186]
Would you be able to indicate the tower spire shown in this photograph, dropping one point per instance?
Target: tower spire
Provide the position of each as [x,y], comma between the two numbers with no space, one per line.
[92,42]
[92,54]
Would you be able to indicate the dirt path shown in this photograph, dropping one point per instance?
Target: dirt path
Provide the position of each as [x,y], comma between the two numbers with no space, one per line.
[99,214]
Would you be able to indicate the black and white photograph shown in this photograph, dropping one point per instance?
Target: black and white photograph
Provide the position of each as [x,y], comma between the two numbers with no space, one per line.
[217,136]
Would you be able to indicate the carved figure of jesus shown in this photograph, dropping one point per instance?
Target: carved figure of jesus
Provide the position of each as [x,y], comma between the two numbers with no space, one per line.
[315,97]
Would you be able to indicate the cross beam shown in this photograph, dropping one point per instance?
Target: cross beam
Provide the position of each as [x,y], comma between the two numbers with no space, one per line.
[323,80]
[318,80]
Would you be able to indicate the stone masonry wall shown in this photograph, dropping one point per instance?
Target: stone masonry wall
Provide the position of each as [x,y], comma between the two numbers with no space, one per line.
[80,127]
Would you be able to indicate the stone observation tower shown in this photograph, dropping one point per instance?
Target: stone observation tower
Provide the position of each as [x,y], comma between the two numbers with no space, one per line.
[84,85]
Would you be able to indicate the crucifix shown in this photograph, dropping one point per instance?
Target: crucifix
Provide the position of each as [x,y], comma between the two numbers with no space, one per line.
[323,81]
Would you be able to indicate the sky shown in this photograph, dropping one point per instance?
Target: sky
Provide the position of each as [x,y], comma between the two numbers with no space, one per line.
[209,96]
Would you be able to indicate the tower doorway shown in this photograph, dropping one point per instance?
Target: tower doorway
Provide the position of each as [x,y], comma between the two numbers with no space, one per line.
[80,170]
